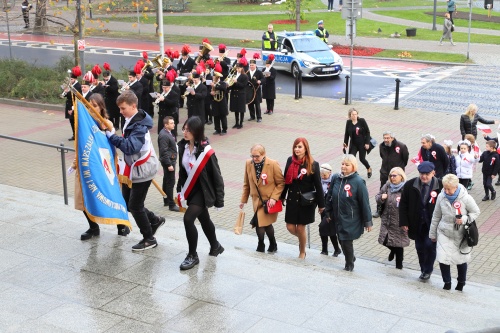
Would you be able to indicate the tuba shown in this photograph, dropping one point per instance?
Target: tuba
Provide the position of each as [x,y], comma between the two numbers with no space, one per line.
[204,51]
[218,94]
[148,63]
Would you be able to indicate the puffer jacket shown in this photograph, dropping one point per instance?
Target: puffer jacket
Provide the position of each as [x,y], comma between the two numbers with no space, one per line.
[449,240]
[465,165]
[468,126]
[136,143]
[389,227]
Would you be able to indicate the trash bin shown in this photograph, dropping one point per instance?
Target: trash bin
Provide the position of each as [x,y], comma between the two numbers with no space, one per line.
[411,32]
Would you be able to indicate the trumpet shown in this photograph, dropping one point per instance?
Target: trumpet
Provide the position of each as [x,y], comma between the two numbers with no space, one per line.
[122,89]
[65,87]
[189,82]
[157,101]
[221,58]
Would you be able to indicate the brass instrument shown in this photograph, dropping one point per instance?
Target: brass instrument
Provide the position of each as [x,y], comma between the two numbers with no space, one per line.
[157,61]
[166,62]
[157,101]
[189,82]
[221,58]
[231,78]
[148,63]
[204,51]
[65,87]
[122,89]
[218,94]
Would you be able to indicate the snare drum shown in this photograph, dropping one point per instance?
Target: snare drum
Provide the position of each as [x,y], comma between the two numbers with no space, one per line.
[181,80]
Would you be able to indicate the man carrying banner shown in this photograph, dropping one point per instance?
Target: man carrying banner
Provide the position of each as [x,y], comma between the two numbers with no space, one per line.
[140,167]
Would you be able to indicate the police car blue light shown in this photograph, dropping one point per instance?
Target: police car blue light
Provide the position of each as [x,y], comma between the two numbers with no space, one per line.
[303,50]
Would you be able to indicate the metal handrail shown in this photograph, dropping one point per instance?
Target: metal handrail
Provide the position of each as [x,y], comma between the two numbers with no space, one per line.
[61,148]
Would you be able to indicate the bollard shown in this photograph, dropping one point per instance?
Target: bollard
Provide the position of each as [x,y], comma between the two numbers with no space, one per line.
[63,165]
[296,86]
[396,103]
[347,77]
[300,83]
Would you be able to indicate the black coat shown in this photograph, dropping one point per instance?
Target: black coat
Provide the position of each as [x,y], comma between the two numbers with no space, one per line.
[219,109]
[395,155]
[237,102]
[168,107]
[210,179]
[145,97]
[295,213]
[110,96]
[99,89]
[186,68]
[411,209]
[137,88]
[87,97]
[167,149]
[438,156]
[226,65]
[196,103]
[269,85]
[258,76]
[69,99]
[361,136]
[470,127]
[491,163]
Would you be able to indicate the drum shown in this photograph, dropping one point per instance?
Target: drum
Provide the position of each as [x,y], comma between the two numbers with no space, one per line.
[250,92]
[181,80]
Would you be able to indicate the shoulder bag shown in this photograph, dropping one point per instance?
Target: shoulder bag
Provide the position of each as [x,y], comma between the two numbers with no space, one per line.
[278,207]
[471,235]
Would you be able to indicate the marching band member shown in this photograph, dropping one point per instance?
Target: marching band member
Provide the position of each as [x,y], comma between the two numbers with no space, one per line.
[167,103]
[219,100]
[256,77]
[239,56]
[147,82]
[134,84]
[185,65]
[269,84]
[224,61]
[238,96]
[96,86]
[202,56]
[87,81]
[195,100]
[209,65]
[110,95]
[68,111]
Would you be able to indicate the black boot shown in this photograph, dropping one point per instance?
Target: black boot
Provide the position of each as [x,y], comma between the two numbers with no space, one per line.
[391,254]
[261,247]
[273,246]
[399,257]
[460,286]
[348,249]
[324,245]
[90,233]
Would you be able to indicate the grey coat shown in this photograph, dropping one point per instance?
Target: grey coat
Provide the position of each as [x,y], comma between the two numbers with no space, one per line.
[447,28]
[389,227]
[449,240]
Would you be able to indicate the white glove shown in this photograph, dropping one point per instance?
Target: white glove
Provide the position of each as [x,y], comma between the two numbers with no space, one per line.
[110,133]
[70,170]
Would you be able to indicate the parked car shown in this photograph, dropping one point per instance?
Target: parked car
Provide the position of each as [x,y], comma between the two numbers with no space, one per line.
[305,51]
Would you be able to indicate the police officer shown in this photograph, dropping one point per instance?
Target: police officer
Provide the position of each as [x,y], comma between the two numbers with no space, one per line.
[322,33]
[269,39]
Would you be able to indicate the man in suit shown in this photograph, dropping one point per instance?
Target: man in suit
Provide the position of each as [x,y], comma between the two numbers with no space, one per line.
[255,77]
[237,102]
[135,86]
[185,65]
[168,101]
[68,110]
[110,96]
[195,100]
[168,157]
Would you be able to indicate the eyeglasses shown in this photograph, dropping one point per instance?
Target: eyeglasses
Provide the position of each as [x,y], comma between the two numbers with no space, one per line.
[186,130]
[255,156]
[393,176]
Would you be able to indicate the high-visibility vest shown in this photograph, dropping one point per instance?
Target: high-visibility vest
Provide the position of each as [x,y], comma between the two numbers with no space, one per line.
[267,42]
[322,33]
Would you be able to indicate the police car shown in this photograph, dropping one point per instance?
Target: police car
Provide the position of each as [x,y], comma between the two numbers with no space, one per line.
[305,51]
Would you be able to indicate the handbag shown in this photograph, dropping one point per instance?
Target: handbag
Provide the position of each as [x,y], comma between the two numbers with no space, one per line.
[278,207]
[307,198]
[238,226]
[471,235]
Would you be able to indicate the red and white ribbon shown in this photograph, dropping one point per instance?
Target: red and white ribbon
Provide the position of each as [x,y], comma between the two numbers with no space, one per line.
[398,199]
[302,173]
[434,154]
[347,189]
[457,206]
[433,197]
[264,179]
[492,161]
[397,149]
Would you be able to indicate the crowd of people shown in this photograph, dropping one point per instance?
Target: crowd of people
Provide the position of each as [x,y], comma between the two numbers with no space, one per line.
[423,209]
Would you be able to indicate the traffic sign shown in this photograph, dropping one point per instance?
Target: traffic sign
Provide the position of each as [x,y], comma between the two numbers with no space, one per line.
[352,9]
[81,45]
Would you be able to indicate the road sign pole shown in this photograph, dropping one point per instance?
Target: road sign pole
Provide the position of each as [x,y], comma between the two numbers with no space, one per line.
[160,23]
[81,53]
[8,33]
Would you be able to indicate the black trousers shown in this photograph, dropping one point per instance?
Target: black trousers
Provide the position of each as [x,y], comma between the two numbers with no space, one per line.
[194,212]
[446,272]
[451,17]
[94,225]
[26,17]
[464,182]
[168,186]
[353,149]
[487,183]
[238,116]
[135,197]
[72,122]
[254,109]
[220,122]
[269,104]
[208,112]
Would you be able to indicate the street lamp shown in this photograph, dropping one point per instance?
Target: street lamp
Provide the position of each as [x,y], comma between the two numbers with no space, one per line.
[469,2]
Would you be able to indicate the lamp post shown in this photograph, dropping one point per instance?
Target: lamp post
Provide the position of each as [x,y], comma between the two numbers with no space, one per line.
[434,16]
[470,21]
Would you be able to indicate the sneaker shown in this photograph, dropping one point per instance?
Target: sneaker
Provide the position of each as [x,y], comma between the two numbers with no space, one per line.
[145,244]
[90,233]
[190,261]
[469,187]
[440,44]
[156,226]
[215,252]
[453,44]
[124,231]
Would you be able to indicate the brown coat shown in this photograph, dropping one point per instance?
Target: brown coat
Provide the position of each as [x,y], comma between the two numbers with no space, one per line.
[272,190]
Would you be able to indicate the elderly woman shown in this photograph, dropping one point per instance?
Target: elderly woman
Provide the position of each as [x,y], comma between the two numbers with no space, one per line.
[349,207]
[357,131]
[447,30]
[454,207]
[468,121]
[391,235]
[303,191]
[263,181]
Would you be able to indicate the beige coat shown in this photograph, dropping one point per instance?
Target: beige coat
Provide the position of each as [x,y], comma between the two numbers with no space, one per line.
[272,190]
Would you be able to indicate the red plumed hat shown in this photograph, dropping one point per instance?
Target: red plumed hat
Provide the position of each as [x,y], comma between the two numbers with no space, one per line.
[205,40]
[138,67]
[256,55]
[222,48]
[200,69]
[176,54]
[185,50]
[106,66]
[145,55]
[76,72]
[244,61]
[211,63]
[168,53]
[88,78]
[173,72]
[218,68]
[170,76]
[96,71]
[243,52]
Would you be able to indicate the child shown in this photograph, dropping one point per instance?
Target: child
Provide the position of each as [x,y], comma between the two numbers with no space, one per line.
[489,158]
[465,162]
[452,166]
[474,150]
[486,137]
[327,228]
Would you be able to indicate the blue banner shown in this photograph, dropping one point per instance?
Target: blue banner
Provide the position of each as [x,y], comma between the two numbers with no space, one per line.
[96,162]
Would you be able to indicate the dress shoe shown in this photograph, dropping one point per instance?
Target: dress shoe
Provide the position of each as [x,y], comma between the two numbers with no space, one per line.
[369,172]
[324,252]
[336,253]
[216,132]
[223,133]
[261,247]
[447,286]
[235,126]
[239,127]
[273,247]
[267,112]
[190,261]
[493,195]
[271,112]
[425,276]
[259,120]
[486,198]
[174,209]
[71,139]
[215,252]
[250,119]
[124,231]
[391,255]
[460,286]
[90,233]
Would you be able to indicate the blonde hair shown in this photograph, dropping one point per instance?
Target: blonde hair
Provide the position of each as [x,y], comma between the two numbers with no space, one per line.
[351,159]
[399,171]
[260,148]
[471,138]
[470,108]
[351,110]
[450,179]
